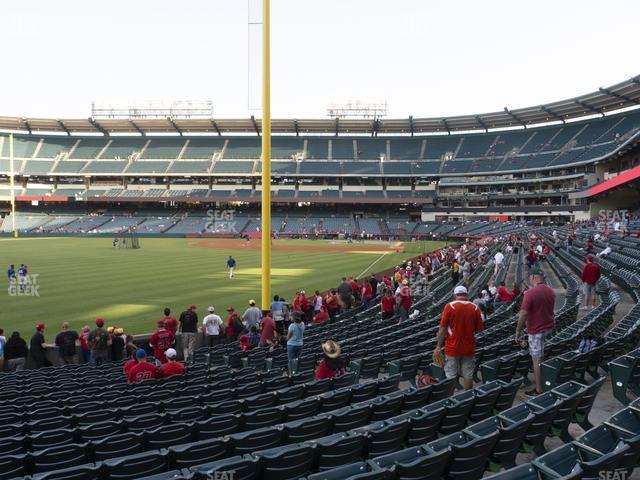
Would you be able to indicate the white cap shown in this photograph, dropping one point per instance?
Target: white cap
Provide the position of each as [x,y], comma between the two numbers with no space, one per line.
[484,292]
[211,309]
[460,290]
[170,353]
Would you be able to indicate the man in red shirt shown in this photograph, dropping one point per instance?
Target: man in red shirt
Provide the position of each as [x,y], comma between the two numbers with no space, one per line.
[143,370]
[170,323]
[388,305]
[461,320]
[267,330]
[404,299]
[590,276]
[537,312]
[504,295]
[367,294]
[161,340]
[172,367]
[331,300]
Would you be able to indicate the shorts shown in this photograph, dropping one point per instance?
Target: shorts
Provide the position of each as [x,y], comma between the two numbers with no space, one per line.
[588,289]
[459,367]
[536,344]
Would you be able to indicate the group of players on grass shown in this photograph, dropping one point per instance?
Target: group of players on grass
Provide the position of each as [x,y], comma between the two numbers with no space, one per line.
[18,281]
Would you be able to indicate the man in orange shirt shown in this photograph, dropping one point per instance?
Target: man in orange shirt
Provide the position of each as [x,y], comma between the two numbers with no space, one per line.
[461,320]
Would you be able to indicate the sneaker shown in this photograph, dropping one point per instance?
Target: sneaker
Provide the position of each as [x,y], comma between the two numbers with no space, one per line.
[532,393]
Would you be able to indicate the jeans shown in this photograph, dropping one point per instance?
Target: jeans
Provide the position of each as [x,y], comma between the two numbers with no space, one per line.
[99,357]
[16,364]
[293,352]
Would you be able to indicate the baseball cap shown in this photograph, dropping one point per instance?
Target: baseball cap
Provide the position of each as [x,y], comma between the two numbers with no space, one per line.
[40,326]
[141,353]
[231,309]
[405,282]
[590,258]
[99,322]
[170,353]
[252,302]
[211,309]
[302,292]
[460,290]
[535,271]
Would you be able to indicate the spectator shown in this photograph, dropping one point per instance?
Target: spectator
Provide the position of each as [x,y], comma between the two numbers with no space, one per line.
[213,327]
[66,341]
[373,281]
[605,252]
[295,336]
[590,276]
[161,341]
[515,292]
[322,316]
[466,271]
[189,330]
[317,303]
[388,305]
[498,258]
[234,325]
[99,342]
[461,320]
[537,313]
[404,300]
[267,330]
[367,294]
[332,364]
[117,345]
[142,370]
[172,367]
[277,309]
[251,316]
[170,323]
[345,295]
[455,272]
[84,348]
[504,295]
[331,301]
[16,352]
[130,347]
[3,342]
[38,348]
[250,340]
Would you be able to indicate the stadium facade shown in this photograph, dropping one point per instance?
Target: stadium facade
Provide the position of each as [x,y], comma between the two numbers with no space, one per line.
[564,161]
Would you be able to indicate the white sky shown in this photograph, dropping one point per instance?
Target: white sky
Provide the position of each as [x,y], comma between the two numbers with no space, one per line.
[424,57]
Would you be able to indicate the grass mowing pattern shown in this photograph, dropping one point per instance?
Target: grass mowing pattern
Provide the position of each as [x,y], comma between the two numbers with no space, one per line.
[80,279]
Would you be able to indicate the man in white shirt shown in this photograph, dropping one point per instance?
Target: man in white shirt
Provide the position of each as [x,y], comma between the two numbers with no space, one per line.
[498,258]
[213,327]
[605,252]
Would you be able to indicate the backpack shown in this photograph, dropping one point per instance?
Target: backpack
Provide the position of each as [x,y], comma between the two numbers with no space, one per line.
[100,340]
[237,326]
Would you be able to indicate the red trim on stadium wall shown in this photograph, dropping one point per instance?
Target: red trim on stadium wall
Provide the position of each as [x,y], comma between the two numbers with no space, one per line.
[499,218]
[621,179]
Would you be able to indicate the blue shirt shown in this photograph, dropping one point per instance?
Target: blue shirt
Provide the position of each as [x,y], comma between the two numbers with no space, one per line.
[231,263]
[22,271]
[277,306]
[297,332]
[11,273]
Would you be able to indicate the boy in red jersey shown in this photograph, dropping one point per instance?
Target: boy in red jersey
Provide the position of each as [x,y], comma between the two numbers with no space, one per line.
[172,367]
[161,341]
[143,370]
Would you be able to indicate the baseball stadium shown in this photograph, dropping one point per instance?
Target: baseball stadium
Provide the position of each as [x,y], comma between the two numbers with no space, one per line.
[354,295]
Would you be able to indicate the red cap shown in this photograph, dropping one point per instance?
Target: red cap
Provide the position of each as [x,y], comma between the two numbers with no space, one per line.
[231,309]
[161,323]
[40,326]
[99,322]
[590,258]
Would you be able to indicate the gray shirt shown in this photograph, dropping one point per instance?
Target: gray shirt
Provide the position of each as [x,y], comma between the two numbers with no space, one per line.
[251,317]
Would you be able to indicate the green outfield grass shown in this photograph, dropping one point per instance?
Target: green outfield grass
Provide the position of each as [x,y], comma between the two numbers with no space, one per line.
[79,279]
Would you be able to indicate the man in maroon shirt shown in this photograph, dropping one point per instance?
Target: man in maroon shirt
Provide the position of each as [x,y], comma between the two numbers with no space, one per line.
[267,330]
[537,312]
[170,323]
[143,370]
[172,367]
[388,305]
[161,340]
[590,276]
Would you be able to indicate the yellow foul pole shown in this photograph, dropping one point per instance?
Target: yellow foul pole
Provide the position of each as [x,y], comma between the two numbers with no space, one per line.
[266,156]
[13,192]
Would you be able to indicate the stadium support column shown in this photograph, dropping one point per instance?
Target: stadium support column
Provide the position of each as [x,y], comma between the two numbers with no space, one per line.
[266,155]
[13,191]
